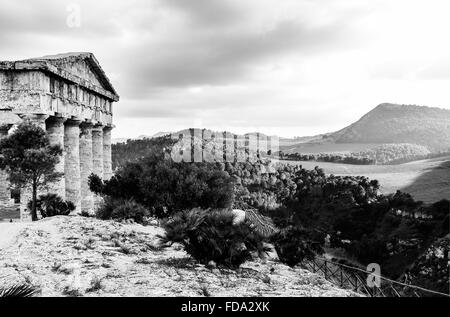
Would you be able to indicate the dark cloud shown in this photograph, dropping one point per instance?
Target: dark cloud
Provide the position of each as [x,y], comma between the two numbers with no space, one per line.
[208,13]
[47,20]
[222,57]
[177,43]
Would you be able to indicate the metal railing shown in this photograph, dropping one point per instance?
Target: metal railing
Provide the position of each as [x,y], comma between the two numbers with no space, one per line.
[355,279]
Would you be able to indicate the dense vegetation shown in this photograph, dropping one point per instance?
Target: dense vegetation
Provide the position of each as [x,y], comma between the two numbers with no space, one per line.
[135,150]
[395,153]
[329,158]
[307,205]
[385,154]
[431,269]
[165,187]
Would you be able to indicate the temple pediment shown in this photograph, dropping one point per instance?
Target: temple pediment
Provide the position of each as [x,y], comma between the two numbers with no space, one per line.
[82,69]
[70,85]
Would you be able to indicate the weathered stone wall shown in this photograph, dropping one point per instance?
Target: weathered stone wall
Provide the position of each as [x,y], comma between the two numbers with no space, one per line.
[21,91]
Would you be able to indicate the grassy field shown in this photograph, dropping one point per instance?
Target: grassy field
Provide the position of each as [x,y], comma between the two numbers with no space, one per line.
[426,180]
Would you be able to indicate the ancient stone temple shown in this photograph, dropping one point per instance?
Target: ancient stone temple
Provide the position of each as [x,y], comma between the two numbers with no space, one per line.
[71,97]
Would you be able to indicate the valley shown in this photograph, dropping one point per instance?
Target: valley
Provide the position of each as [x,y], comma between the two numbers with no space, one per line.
[425,180]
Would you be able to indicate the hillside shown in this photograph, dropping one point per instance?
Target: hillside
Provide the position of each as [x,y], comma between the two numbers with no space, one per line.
[392,123]
[77,256]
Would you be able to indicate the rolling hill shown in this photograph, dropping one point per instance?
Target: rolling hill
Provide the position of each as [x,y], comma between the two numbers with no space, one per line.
[392,123]
[386,124]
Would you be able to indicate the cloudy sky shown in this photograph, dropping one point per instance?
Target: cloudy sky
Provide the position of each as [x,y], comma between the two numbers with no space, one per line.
[286,67]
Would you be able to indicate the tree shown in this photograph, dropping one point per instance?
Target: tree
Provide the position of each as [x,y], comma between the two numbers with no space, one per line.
[30,160]
[165,187]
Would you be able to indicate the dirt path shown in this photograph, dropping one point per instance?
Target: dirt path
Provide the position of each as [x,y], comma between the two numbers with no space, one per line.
[9,233]
[76,256]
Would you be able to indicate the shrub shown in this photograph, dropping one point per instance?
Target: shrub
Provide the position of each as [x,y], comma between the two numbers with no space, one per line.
[368,249]
[104,211]
[166,187]
[86,214]
[130,209]
[293,245]
[119,209]
[96,285]
[19,290]
[51,205]
[211,236]
[95,183]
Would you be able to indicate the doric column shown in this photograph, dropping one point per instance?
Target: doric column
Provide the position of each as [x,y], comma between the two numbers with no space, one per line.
[97,150]
[26,193]
[5,192]
[97,157]
[55,133]
[72,162]
[86,166]
[107,162]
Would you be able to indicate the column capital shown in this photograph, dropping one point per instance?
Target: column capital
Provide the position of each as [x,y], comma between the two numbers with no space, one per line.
[34,116]
[98,127]
[86,129]
[73,122]
[57,119]
[86,125]
[108,128]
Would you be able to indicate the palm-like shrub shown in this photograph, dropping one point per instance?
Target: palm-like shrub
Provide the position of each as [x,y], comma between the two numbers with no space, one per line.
[120,209]
[19,290]
[211,236]
[130,209]
[51,205]
[104,211]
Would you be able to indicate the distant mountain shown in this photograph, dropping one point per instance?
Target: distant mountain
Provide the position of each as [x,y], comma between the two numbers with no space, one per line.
[392,123]
[156,135]
[386,124]
[141,137]
[119,140]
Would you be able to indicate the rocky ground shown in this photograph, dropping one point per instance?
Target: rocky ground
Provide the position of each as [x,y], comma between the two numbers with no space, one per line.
[77,256]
